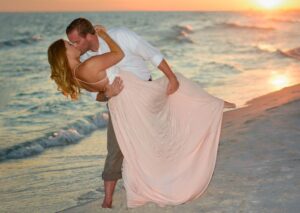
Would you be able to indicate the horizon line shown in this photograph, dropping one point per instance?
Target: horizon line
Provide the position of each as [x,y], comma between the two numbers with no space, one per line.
[111,11]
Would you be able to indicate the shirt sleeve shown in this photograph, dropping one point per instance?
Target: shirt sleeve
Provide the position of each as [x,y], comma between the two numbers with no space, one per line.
[140,46]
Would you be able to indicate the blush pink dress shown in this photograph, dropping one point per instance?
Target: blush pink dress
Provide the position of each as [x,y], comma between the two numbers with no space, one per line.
[169,143]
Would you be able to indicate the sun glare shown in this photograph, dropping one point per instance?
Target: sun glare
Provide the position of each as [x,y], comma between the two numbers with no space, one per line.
[270,4]
[279,81]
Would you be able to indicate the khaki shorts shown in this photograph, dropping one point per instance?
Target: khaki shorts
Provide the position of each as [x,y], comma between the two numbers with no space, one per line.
[114,158]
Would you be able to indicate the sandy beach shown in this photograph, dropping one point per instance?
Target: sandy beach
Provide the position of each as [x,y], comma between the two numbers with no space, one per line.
[52,150]
[257,168]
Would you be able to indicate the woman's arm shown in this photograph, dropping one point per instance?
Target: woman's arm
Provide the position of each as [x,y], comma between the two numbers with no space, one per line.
[97,64]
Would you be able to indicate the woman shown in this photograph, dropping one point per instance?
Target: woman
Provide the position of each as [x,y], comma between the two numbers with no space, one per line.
[70,74]
[169,143]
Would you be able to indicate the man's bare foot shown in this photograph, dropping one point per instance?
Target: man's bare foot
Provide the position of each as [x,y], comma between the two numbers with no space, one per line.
[107,203]
[229,105]
[109,188]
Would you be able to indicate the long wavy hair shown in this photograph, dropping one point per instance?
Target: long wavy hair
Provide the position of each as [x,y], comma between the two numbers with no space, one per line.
[61,72]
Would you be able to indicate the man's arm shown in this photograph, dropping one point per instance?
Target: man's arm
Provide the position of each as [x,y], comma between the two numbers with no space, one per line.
[173,82]
[141,47]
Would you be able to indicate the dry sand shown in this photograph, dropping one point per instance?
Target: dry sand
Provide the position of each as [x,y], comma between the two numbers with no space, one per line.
[258,165]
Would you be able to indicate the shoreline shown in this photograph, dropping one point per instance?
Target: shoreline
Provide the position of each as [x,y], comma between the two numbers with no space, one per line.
[254,172]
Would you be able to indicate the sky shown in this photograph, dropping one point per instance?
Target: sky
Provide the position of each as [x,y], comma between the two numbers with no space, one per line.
[144,5]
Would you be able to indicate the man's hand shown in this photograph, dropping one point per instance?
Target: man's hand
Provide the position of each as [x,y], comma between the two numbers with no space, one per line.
[111,90]
[173,85]
[115,88]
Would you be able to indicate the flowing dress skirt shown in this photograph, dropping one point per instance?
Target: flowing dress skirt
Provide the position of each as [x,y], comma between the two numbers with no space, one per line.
[169,143]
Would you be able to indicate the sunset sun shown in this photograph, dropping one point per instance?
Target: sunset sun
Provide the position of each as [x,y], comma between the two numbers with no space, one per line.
[270,4]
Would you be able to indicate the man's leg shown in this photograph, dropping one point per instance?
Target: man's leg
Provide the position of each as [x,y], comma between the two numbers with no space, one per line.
[113,164]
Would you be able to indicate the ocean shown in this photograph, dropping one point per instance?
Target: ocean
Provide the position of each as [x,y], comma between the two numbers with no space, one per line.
[47,161]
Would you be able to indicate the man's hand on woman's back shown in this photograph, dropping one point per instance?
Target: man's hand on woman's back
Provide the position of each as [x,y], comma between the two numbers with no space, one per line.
[112,90]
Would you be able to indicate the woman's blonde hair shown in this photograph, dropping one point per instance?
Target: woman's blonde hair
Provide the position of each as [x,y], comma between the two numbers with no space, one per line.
[61,72]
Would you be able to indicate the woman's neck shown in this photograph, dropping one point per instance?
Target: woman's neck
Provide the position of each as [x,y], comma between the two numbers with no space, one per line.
[74,64]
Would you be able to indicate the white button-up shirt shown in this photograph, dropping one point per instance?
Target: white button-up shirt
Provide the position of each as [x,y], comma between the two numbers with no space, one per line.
[136,50]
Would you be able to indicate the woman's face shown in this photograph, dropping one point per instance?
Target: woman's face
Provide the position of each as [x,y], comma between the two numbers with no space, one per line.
[71,51]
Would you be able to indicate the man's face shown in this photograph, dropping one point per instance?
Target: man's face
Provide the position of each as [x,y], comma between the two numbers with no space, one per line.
[79,42]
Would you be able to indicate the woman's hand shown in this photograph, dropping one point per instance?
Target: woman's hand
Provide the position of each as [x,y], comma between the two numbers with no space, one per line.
[99,27]
[100,30]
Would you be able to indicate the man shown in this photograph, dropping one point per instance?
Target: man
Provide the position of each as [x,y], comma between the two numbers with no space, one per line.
[82,34]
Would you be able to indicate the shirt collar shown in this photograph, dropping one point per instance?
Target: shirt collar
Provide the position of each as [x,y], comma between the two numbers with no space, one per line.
[101,50]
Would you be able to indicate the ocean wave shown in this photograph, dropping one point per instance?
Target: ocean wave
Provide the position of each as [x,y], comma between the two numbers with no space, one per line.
[286,20]
[270,49]
[257,48]
[186,28]
[220,68]
[68,136]
[18,42]
[266,48]
[213,73]
[292,53]
[182,33]
[27,94]
[230,25]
